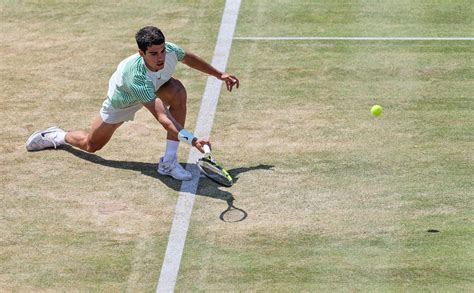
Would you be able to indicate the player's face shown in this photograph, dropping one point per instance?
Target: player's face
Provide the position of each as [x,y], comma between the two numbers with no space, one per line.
[154,57]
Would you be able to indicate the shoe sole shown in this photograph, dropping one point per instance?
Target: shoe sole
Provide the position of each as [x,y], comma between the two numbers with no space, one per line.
[166,174]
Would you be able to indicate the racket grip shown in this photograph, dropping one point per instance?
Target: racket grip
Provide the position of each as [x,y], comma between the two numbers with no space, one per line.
[206,148]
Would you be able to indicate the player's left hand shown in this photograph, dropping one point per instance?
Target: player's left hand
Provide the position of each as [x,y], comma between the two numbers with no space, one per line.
[230,81]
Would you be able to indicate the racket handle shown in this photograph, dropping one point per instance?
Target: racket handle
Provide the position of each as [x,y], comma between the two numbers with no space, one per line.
[207,149]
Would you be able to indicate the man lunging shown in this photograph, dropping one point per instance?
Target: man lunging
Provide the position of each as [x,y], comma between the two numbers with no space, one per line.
[143,79]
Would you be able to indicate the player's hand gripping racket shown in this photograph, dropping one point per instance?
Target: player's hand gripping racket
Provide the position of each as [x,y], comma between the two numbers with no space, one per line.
[213,170]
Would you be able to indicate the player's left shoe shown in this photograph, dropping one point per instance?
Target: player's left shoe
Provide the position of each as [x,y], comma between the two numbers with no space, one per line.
[174,169]
[44,139]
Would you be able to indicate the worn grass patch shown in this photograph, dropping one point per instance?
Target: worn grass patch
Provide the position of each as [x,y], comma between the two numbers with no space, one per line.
[76,221]
[336,199]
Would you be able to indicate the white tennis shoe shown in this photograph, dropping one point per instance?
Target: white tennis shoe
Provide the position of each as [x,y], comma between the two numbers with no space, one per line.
[174,169]
[43,139]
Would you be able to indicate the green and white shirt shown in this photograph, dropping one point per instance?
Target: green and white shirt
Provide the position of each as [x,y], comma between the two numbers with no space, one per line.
[133,83]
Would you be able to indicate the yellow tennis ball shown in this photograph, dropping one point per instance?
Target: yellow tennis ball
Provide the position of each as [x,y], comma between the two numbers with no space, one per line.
[376,110]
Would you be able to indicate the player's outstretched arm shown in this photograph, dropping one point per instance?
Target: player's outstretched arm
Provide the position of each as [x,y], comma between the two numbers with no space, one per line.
[196,62]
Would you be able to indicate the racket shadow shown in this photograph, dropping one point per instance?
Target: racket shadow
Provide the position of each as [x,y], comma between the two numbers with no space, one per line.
[237,171]
[206,187]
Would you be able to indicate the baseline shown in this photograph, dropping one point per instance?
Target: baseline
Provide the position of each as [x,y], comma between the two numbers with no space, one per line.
[354,39]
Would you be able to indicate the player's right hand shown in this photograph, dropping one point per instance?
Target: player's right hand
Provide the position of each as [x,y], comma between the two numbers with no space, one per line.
[200,142]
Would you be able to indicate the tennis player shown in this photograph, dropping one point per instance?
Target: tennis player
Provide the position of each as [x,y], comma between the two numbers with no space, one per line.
[144,79]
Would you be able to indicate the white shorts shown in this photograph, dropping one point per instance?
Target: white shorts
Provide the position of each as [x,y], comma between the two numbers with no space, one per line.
[112,115]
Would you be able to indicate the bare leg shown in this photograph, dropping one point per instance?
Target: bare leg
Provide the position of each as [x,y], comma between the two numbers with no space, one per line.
[94,139]
[173,94]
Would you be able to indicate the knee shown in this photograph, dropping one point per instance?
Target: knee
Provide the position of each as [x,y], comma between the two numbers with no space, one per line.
[173,93]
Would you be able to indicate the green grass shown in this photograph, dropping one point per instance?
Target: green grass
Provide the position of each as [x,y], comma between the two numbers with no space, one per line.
[350,198]
[336,199]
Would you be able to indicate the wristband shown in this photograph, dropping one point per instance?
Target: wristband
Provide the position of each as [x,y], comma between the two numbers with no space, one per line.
[186,136]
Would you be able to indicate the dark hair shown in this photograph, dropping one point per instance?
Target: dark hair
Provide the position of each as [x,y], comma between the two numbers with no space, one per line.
[149,36]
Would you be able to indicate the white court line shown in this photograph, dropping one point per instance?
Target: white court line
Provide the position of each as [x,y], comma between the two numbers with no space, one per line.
[353,39]
[184,206]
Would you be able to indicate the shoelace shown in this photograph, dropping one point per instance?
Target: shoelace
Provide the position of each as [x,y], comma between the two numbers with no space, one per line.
[167,167]
[49,138]
[173,165]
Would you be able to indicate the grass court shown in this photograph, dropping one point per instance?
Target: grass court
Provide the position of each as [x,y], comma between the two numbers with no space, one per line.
[336,199]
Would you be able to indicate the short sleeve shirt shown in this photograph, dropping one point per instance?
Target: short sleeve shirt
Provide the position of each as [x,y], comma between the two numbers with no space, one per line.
[133,83]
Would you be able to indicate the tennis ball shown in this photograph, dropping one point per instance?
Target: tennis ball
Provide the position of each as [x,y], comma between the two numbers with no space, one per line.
[376,110]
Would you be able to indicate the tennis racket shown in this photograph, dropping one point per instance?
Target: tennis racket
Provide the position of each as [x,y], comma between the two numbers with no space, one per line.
[213,170]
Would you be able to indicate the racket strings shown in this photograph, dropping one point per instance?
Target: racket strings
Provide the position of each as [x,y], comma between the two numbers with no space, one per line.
[215,172]
[211,167]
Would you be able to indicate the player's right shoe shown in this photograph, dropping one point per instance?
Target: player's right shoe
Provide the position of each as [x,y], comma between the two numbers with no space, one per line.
[43,139]
[174,169]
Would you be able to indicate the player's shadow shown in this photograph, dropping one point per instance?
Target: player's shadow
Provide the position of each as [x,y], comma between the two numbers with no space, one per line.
[206,187]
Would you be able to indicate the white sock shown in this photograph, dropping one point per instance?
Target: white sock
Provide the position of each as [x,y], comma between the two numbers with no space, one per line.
[60,138]
[171,150]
